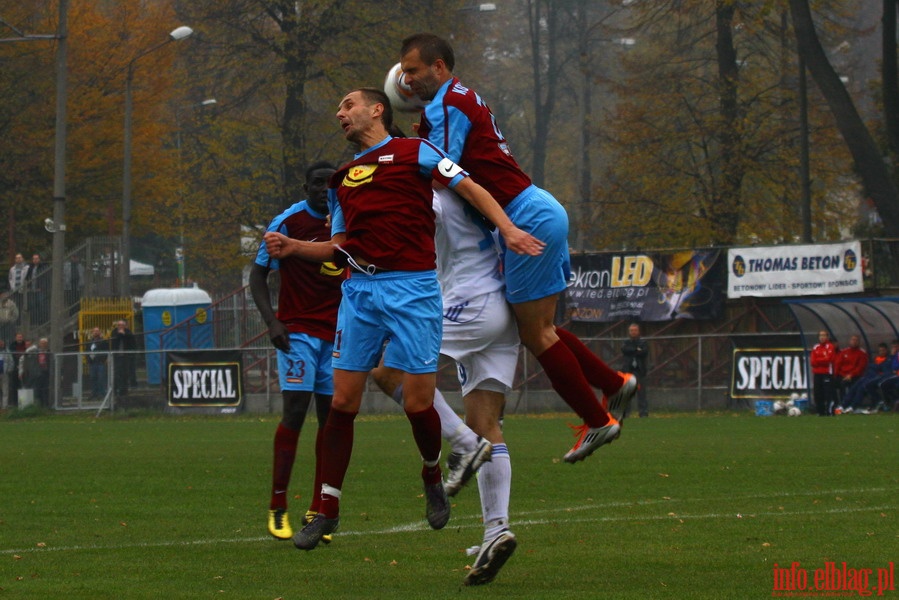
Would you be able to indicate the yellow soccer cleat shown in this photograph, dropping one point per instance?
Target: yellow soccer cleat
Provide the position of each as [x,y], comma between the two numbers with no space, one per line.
[279,525]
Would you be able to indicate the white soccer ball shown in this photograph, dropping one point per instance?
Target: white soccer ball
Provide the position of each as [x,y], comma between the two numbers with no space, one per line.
[402,98]
[794,396]
[779,406]
[794,411]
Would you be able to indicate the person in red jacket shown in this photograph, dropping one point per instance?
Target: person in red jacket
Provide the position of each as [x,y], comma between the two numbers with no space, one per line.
[848,367]
[821,360]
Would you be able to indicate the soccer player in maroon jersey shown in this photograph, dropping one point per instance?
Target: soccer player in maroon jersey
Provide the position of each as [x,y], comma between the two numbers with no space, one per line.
[460,123]
[382,226]
[303,332]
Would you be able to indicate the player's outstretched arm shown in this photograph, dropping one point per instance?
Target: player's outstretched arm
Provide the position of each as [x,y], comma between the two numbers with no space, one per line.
[516,240]
[280,246]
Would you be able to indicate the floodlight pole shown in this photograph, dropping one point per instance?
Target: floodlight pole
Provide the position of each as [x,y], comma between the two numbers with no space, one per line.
[59,185]
[181,256]
[125,267]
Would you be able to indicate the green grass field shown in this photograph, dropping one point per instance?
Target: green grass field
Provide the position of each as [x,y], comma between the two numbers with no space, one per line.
[698,506]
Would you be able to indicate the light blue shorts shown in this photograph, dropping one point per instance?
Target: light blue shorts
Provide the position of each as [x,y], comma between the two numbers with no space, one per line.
[537,212]
[404,307]
[307,367]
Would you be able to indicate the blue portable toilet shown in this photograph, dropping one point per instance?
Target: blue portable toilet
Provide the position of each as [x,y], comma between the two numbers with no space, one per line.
[174,319]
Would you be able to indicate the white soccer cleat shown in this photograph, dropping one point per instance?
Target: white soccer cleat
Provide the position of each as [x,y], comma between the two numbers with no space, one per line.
[491,558]
[462,467]
[591,438]
[619,403]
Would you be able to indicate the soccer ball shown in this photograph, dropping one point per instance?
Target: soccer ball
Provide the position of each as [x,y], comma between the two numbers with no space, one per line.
[794,411]
[779,407]
[402,98]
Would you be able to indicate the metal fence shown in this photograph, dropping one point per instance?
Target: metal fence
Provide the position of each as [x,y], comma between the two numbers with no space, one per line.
[687,373]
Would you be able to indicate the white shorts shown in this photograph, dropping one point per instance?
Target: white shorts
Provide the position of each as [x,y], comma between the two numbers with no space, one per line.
[481,336]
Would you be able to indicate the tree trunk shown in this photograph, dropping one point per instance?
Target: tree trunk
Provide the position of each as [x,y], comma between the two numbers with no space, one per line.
[725,208]
[546,74]
[868,160]
[889,76]
[293,127]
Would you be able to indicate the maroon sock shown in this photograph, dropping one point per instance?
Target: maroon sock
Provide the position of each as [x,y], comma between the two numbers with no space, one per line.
[598,373]
[426,431]
[337,447]
[316,497]
[571,384]
[285,453]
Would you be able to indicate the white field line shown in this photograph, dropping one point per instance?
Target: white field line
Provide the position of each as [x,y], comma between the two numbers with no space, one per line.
[474,521]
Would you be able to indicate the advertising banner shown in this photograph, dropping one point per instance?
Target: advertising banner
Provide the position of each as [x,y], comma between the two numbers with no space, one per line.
[654,286]
[205,379]
[768,373]
[804,270]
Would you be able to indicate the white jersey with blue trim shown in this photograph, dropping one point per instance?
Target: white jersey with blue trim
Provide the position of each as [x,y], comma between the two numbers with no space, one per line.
[468,256]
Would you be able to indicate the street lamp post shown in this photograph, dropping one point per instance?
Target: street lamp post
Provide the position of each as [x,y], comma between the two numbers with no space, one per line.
[59,189]
[125,268]
[181,255]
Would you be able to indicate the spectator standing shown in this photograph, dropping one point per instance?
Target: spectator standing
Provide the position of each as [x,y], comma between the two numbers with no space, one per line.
[73,282]
[849,365]
[9,316]
[6,366]
[28,370]
[132,358]
[17,349]
[98,355]
[43,366]
[636,357]
[18,276]
[122,343]
[37,291]
[821,360]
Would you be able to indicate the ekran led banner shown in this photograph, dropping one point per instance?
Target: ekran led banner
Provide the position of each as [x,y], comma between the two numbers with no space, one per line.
[653,286]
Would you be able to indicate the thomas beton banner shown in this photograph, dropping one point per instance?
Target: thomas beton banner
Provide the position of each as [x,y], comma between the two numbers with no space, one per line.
[205,379]
[803,270]
[646,287]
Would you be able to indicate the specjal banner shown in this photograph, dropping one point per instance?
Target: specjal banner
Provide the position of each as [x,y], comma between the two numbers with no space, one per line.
[801,270]
[205,379]
[646,287]
[769,373]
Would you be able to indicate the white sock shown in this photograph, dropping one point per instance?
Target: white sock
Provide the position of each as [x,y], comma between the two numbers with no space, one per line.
[452,427]
[495,487]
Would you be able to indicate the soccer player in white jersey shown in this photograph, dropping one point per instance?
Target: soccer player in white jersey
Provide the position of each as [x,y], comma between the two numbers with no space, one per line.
[479,333]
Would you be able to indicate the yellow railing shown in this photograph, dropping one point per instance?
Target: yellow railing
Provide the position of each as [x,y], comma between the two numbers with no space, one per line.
[102,313]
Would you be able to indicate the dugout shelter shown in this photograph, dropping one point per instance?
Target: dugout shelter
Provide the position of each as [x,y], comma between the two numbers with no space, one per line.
[875,320]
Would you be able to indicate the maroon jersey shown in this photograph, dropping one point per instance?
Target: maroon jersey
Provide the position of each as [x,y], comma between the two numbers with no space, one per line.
[384,203]
[460,123]
[310,292]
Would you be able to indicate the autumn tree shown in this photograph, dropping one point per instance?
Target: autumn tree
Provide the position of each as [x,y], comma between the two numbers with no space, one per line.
[865,151]
[705,132]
